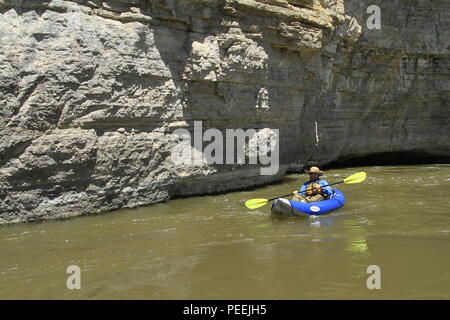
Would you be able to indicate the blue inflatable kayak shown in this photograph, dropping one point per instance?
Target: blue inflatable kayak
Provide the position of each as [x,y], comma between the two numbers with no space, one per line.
[287,207]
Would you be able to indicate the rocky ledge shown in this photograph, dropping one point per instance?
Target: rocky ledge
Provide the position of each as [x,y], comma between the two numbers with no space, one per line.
[92,91]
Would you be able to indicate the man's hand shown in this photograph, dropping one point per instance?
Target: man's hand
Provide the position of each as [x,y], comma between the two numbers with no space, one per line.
[295,192]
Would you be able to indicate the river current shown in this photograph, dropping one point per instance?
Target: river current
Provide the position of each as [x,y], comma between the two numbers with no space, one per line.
[213,247]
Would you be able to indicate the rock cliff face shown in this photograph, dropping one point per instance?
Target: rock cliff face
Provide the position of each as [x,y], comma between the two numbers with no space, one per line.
[92,91]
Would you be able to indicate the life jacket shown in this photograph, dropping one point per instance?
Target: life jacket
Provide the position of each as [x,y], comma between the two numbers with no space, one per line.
[314,188]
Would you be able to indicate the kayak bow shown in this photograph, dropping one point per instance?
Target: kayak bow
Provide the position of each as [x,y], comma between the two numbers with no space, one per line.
[287,207]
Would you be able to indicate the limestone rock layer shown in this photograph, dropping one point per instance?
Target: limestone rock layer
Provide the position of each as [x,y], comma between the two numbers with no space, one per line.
[91,93]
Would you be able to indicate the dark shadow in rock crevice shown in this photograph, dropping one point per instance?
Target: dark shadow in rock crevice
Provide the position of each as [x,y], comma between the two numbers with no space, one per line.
[412,157]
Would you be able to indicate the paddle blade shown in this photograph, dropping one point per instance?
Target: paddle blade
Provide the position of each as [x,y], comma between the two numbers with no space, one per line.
[356,178]
[255,203]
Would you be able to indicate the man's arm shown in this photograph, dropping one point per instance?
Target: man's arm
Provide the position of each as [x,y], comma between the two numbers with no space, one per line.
[328,190]
[303,189]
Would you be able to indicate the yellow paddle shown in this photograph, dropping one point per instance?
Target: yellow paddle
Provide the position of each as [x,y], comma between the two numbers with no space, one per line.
[354,178]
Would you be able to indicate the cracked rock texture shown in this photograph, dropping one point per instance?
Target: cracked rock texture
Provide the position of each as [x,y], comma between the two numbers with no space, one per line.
[92,91]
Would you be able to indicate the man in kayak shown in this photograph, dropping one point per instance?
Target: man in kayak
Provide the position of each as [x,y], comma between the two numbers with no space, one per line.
[313,190]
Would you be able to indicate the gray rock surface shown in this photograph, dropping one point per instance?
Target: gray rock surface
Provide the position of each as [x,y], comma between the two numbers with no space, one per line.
[92,91]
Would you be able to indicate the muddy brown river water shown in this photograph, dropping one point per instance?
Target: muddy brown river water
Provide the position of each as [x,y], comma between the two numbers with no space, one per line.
[213,247]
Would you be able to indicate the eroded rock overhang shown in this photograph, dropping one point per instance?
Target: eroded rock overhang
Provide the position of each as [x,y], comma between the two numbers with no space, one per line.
[92,91]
